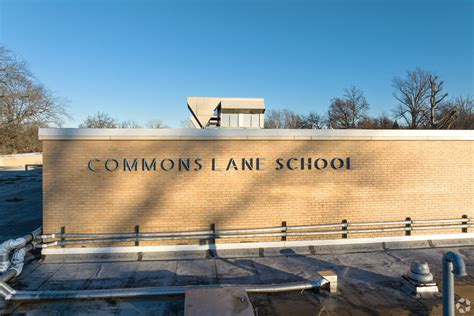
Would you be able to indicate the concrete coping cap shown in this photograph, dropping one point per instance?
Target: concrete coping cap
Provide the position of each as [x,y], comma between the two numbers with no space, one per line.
[249,134]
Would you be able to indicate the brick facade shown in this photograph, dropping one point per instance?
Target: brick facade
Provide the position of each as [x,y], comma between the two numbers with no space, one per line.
[387,180]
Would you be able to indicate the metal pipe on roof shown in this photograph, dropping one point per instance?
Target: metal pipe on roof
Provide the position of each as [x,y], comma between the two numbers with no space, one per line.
[316,226]
[7,276]
[453,265]
[245,232]
[8,246]
[158,234]
[442,227]
[124,239]
[428,221]
[223,232]
[119,235]
[327,232]
[252,235]
[379,223]
[129,237]
[13,295]
[250,230]
[332,232]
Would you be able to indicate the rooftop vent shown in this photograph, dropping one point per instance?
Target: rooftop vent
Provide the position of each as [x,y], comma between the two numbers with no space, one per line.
[419,279]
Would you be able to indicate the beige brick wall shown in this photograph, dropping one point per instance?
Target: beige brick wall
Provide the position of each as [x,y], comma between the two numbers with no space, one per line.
[388,180]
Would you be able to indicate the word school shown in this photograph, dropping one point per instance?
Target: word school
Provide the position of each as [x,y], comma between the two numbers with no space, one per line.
[231,164]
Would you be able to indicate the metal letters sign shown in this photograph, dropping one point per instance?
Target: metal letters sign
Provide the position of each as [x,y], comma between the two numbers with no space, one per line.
[214,164]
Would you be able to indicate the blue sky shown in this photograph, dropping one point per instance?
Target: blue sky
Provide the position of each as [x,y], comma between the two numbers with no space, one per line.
[139,60]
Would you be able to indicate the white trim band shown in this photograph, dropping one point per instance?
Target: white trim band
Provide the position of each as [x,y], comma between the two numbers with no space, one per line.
[249,134]
[251,245]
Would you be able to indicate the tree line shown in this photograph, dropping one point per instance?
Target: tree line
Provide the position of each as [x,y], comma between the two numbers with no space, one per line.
[422,103]
[104,120]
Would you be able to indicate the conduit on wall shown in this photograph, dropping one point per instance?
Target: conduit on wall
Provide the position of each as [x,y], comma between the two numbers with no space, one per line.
[344,228]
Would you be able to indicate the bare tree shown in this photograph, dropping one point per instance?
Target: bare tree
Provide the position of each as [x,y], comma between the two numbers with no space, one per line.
[291,119]
[357,104]
[23,99]
[381,122]
[99,120]
[25,104]
[436,97]
[463,107]
[348,111]
[338,114]
[130,124]
[155,124]
[412,93]
[273,119]
[282,119]
[312,121]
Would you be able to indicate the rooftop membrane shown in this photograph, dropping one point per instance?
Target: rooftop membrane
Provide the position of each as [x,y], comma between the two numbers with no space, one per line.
[369,278]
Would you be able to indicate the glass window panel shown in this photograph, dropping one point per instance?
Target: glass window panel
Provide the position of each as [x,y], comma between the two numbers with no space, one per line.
[255,120]
[246,120]
[225,120]
[233,120]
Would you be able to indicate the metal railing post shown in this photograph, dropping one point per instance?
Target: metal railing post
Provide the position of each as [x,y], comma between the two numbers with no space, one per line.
[137,231]
[408,225]
[211,253]
[63,231]
[283,230]
[464,229]
[344,228]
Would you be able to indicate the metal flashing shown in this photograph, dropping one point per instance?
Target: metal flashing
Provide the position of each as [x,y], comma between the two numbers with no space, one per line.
[249,134]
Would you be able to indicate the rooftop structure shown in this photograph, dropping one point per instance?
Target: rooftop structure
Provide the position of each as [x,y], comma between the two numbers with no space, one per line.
[226,112]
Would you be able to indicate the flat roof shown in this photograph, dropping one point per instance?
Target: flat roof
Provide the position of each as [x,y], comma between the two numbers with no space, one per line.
[249,134]
[231,103]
